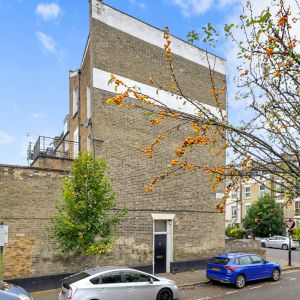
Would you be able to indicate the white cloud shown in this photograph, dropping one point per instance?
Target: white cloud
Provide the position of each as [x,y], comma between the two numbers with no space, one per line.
[226,3]
[47,42]
[139,4]
[193,7]
[5,138]
[48,11]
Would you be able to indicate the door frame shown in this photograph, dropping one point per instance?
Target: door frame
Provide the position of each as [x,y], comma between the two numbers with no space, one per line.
[169,222]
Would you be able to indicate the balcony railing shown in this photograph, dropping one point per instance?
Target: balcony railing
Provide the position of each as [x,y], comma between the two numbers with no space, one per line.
[50,147]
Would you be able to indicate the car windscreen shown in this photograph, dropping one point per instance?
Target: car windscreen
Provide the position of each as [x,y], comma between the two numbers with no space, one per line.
[220,261]
[74,278]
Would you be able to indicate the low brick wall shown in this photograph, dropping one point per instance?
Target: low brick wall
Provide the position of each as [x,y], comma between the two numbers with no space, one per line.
[244,246]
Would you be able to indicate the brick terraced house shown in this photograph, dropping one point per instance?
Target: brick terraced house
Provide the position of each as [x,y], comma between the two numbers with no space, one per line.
[175,227]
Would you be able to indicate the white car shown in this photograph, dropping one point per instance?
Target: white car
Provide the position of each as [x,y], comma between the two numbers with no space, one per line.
[114,283]
[281,242]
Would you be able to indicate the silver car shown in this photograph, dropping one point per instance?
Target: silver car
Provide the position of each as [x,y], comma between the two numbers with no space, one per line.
[114,283]
[281,242]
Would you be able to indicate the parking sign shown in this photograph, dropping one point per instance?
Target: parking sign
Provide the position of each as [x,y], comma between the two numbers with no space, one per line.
[3,235]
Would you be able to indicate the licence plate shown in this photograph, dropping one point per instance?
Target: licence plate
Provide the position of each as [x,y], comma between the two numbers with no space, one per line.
[215,269]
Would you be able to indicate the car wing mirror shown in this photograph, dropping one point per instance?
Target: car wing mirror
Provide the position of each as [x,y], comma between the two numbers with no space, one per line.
[151,280]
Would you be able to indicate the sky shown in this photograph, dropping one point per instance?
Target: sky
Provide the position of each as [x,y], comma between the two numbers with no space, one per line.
[42,40]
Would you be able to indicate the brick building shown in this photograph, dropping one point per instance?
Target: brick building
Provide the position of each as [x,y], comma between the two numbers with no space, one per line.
[170,228]
[249,193]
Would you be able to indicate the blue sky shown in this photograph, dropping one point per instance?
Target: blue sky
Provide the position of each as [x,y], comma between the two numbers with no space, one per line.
[42,40]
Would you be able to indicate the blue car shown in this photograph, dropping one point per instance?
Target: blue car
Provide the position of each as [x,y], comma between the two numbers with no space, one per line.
[13,292]
[238,268]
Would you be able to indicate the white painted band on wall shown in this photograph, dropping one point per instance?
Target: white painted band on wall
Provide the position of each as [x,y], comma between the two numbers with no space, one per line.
[101,78]
[163,216]
[154,36]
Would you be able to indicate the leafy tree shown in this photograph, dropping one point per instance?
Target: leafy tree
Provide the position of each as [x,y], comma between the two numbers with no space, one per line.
[268,84]
[264,218]
[84,221]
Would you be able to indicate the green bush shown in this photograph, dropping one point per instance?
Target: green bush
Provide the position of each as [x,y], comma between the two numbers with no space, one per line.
[234,231]
[296,234]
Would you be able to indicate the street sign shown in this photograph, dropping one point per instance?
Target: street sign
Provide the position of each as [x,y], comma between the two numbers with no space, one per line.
[290,223]
[3,235]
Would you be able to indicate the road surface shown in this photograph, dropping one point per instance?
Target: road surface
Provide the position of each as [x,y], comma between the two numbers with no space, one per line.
[286,288]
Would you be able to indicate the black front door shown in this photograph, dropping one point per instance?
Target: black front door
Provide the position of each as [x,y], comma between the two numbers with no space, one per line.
[160,253]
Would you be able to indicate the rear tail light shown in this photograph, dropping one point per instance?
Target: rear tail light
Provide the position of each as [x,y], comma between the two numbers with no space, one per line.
[230,268]
[72,292]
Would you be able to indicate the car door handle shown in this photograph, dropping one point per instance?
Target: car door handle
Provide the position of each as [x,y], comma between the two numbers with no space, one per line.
[102,290]
[130,288]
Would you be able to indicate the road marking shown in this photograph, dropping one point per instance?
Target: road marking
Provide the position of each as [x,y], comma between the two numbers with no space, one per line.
[231,292]
[46,291]
[289,277]
[275,282]
[293,278]
[206,298]
[255,287]
[287,272]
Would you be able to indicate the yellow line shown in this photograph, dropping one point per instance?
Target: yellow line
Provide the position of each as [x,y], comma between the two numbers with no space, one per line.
[44,292]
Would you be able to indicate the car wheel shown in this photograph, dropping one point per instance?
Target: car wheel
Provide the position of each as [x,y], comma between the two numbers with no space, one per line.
[263,245]
[285,247]
[240,281]
[275,275]
[165,294]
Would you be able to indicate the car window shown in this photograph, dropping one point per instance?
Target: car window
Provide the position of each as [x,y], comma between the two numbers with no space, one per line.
[111,278]
[256,259]
[136,277]
[220,261]
[245,260]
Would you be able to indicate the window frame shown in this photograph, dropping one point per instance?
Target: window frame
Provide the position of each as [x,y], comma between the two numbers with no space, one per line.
[260,190]
[75,100]
[76,143]
[297,209]
[247,206]
[233,209]
[246,187]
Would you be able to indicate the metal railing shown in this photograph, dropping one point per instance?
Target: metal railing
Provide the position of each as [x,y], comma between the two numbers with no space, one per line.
[50,147]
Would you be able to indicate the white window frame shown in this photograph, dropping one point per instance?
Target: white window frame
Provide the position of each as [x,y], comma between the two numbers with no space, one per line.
[297,200]
[233,211]
[75,100]
[277,187]
[88,102]
[247,186]
[76,145]
[247,206]
[279,202]
[262,192]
